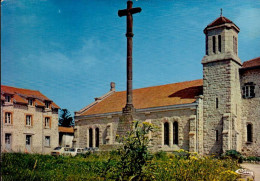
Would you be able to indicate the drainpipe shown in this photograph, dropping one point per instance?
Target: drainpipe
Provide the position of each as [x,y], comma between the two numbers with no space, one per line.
[42,129]
[197,125]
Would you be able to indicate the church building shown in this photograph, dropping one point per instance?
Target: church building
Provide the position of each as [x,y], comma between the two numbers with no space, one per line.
[217,113]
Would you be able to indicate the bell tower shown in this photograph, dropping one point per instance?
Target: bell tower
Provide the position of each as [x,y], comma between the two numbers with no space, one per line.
[221,87]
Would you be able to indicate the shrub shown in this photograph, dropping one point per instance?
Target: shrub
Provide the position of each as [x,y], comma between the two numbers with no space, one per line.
[252,159]
[234,155]
[161,155]
[134,154]
[181,154]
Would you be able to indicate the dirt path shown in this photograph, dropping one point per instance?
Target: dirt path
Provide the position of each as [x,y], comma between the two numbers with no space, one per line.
[253,167]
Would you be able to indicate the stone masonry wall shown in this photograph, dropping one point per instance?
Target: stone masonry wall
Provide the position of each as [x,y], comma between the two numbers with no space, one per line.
[235,106]
[251,113]
[216,85]
[105,124]
[19,130]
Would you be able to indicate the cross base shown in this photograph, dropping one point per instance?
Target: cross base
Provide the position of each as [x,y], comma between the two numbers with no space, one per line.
[124,125]
[128,109]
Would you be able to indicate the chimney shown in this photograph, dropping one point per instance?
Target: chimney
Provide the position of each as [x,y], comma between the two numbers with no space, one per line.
[112,86]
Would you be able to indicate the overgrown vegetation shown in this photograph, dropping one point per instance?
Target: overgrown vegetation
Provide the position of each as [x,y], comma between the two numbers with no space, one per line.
[132,161]
[235,155]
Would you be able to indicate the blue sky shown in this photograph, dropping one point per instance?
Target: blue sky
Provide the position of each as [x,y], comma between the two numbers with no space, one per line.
[72,50]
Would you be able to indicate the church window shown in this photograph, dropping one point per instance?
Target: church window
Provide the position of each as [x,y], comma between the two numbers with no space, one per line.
[249,133]
[214,44]
[166,133]
[219,43]
[248,90]
[216,135]
[217,103]
[90,138]
[97,137]
[175,133]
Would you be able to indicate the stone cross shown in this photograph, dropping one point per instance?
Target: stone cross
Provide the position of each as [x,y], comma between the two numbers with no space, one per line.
[129,108]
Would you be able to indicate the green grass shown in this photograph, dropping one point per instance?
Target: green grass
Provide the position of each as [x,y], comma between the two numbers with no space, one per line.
[174,166]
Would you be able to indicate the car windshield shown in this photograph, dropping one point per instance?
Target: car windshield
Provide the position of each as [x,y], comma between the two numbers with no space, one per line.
[57,148]
[72,149]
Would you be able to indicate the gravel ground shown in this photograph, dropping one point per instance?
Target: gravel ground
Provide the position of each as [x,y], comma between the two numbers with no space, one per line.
[254,167]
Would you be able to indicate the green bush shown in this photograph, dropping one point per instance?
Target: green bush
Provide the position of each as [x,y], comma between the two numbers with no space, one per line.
[161,155]
[134,154]
[252,159]
[234,155]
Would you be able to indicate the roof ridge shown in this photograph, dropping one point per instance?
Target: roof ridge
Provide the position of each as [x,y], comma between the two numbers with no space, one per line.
[95,102]
[19,88]
[251,59]
[163,85]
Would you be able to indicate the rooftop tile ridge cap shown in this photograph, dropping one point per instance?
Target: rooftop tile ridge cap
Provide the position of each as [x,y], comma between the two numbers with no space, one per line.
[163,85]
[20,88]
[95,102]
[251,59]
[223,18]
[106,95]
[32,96]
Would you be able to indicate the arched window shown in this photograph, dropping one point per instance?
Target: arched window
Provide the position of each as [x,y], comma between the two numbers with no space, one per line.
[214,44]
[219,43]
[175,133]
[249,133]
[97,137]
[166,133]
[90,138]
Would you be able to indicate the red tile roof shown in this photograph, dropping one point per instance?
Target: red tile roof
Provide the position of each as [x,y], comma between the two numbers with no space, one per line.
[163,95]
[21,95]
[66,129]
[2,97]
[252,63]
[219,21]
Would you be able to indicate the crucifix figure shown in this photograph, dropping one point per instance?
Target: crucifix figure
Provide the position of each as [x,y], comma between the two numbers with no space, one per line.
[129,108]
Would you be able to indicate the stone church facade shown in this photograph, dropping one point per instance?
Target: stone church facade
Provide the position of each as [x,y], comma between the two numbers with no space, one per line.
[217,113]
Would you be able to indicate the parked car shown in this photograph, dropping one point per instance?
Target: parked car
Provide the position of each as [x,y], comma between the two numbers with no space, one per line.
[75,151]
[66,151]
[57,151]
[91,149]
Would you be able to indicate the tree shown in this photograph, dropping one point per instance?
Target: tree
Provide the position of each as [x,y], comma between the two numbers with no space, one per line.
[65,118]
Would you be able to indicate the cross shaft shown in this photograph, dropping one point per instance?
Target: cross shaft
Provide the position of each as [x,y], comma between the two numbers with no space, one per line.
[129,108]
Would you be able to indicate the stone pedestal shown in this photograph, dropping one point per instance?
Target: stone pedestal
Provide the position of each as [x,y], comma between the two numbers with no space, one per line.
[124,125]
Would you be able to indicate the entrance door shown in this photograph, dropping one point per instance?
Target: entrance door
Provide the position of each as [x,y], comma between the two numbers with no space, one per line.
[8,140]
[28,142]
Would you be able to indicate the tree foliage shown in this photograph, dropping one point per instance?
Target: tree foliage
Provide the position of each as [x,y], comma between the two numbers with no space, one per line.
[65,118]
